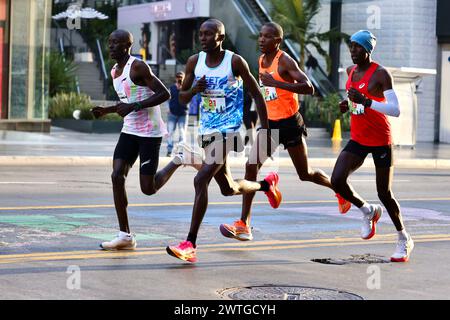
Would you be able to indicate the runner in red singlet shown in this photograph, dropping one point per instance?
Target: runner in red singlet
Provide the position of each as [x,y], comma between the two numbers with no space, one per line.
[370,100]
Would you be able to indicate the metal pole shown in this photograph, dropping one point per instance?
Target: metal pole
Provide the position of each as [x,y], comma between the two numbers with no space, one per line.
[335,53]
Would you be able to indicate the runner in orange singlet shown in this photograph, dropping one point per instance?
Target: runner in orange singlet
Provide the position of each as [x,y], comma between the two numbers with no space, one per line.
[281,81]
[371,100]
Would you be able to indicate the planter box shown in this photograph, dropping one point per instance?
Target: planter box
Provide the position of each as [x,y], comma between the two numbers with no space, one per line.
[89,126]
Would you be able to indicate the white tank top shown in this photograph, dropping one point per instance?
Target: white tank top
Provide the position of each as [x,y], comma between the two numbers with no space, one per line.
[146,122]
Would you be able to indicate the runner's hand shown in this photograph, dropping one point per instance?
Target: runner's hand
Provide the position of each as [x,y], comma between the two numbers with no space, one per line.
[123,109]
[200,85]
[267,79]
[343,105]
[98,112]
[355,96]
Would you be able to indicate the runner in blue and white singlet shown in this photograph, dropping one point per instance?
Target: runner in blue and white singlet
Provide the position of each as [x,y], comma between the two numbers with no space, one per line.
[222,102]
[218,75]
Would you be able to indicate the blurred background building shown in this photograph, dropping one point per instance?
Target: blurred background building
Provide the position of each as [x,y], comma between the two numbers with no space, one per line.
[24,65]
[413,42]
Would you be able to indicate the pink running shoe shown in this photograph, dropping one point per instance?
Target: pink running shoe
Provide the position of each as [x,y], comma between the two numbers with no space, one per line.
[184,251]
[274,194]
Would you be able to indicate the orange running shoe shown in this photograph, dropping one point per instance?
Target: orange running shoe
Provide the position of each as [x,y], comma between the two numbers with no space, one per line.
[239,230]
[184,251]
[274,194]
[343,204]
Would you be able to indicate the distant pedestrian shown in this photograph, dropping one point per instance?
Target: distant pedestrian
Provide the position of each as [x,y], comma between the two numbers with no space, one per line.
[178,113]
[250,117]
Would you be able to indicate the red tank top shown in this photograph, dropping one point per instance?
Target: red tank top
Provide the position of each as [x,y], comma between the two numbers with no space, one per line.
[367,126]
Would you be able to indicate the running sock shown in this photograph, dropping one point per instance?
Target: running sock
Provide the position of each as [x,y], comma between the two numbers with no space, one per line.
[192,238]
[265,186]
[366,209]
[402,235]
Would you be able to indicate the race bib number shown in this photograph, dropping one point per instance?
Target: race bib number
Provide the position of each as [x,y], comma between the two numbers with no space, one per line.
[214,102]
[356,108]
[269,93]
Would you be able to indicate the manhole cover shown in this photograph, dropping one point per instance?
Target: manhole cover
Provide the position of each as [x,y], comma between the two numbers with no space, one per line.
[354,258]
[270,292]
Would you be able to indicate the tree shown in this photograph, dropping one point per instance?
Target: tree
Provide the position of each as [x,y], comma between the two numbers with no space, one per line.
[62,73]
[296,18]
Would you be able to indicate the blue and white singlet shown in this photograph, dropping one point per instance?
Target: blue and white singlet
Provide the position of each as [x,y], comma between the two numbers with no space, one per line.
[221,107]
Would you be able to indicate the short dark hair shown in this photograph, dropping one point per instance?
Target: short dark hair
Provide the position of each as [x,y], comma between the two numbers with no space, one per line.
[219,25]
[276,27]
[123,35]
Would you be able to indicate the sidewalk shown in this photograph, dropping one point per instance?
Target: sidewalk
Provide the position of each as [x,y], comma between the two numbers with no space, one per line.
[65,147]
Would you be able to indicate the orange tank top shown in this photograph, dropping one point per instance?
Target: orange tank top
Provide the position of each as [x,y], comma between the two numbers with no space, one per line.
[281,104]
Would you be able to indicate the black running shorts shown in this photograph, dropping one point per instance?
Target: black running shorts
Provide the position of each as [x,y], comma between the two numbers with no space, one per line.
[233,139]
[290,130]
[130,146]
[382,155]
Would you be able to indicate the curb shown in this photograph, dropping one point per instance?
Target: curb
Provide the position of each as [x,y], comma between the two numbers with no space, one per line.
[233,161]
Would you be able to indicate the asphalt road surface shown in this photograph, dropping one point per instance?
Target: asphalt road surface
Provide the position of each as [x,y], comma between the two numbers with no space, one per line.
[52,220]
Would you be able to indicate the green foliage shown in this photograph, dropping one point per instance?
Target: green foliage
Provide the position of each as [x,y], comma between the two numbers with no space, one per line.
[325,111]
[312,110]
[331,111]
[63,105]
[296,18]
[93,29]
[86,114]
[62,73]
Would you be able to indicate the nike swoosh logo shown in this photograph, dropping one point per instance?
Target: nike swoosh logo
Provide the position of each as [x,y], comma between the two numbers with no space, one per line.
[124,79]
[362,85]
[383,156]
[144,163]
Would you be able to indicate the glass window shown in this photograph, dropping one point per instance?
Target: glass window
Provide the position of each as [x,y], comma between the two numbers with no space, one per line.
[29,50]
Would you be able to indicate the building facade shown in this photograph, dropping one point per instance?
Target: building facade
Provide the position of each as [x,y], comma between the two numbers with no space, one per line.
[406,38]
[24,65]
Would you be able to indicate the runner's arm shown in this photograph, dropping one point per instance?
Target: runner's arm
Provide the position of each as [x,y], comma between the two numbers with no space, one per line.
[391,106]
[301,84]
[187,91]
[161,93]
[240,68]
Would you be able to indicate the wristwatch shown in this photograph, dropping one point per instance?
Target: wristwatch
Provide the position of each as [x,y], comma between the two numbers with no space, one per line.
[367,103]
[138,106]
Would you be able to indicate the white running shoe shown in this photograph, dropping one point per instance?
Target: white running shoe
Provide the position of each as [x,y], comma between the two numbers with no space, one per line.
[186,156]
[123,241]
[403,250]
[368,228]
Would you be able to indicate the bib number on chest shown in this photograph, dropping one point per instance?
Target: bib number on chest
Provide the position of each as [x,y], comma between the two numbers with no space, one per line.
[356,108]
[269,93]
[214,103]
